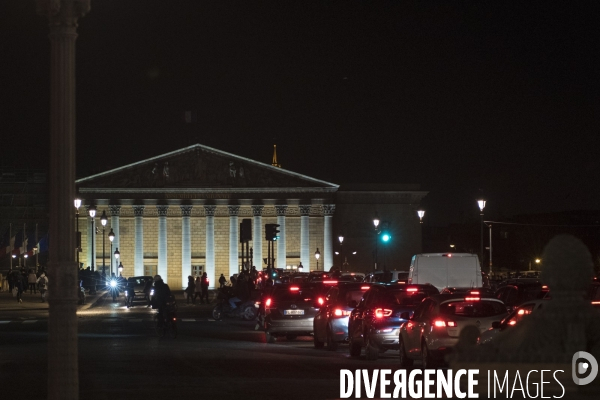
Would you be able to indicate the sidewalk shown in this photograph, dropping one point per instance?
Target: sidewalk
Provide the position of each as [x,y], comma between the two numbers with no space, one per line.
[34,301]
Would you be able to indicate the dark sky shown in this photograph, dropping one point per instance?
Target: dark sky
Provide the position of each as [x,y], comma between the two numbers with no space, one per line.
[498,98]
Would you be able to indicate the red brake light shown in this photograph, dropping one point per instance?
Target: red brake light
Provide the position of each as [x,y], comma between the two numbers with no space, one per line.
[330,282]
[472,298]
[365,288]
[382,312]
[401,282]
[321,301]
[474,292]
[438,323]
[513,322]
[595,302]
[337,312]
[294,288]
[412,290]
[268,302]
[545,287]
[451,324]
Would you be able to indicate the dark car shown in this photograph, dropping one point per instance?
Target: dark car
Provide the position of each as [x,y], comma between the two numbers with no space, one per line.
[135,287]
[514,292]
[331,322]
[375,322]
[289,311]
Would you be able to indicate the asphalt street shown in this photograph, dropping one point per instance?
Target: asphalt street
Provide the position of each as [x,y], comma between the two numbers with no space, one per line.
[121,357]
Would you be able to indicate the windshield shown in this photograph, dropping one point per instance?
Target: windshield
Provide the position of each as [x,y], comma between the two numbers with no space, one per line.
[473,309]
[350,295]
[404,298]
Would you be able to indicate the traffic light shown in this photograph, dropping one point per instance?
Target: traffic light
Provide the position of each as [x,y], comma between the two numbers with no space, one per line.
[246,230]
[385,233]
[385,237]
[271,232]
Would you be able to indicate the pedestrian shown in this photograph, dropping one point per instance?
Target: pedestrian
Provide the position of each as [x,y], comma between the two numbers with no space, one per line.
[198,288]
[222,280]
[19,285]
[148,290]
[42,283]
[32,280]
[204,285]
[11,280]
[190,290]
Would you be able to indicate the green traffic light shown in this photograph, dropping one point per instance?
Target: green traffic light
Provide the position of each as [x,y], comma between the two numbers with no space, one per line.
[386,237]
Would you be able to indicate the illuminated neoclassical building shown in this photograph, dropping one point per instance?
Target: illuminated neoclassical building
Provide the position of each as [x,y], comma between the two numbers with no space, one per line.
[179,214]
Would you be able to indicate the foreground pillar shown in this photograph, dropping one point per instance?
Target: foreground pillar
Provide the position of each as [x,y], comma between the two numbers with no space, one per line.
[328,210]
[63,379]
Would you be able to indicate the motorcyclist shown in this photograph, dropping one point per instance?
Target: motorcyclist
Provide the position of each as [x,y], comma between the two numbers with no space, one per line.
[241,292]
[162,292]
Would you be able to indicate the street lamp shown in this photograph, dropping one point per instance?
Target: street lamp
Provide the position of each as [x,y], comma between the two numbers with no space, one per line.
[104,221]
[111,237]
[317,255]
[77,203]
[376,223]
[341,239]
[120,269]
[421,214]
[481,204]
[92,212]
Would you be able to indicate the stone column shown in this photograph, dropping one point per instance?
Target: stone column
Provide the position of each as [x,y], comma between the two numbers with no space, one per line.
[328,210]
[257,237]
[162,242]
[115,213]
[210,244]
[281,252]
[186,244]
[234,257]
[63,369]
[304,237]
[138,257]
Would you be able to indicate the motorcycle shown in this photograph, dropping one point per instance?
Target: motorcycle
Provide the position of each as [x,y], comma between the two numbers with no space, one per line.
[113,286]
[246,310]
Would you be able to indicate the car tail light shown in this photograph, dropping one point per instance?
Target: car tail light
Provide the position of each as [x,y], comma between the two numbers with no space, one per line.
[330,282]
[401,282]
[321,301]
[294,288]
[595,302]
[412,290]
[513,322]
[545,287]
[382,312]
[365,287]
[268,302]
[440,323]
[474,293]
[472,298]
[338,312]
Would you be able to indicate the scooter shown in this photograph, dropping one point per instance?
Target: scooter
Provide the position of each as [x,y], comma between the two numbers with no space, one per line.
[246,310]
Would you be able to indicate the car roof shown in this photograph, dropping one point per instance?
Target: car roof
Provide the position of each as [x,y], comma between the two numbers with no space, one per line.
[445,298]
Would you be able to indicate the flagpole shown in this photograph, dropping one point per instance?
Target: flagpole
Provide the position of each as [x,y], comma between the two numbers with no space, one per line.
[10,245]
[37,264]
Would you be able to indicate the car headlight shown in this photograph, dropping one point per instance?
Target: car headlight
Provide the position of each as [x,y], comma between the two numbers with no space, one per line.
[152,292]
[113,283]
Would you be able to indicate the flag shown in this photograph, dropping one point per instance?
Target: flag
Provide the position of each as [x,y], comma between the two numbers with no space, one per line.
[18,243]
[31,245]
[43,244]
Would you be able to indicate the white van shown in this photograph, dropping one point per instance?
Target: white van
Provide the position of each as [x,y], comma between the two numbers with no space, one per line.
[445,270]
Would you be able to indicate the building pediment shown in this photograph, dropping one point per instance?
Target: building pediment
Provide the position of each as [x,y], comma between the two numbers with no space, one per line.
[200,167]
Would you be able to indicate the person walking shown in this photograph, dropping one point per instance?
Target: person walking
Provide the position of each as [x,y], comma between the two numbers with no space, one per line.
[19,285]
[222,280]
[42,284]
[32,280]
[148,290]
[204,285]
[190,290]
[197,288]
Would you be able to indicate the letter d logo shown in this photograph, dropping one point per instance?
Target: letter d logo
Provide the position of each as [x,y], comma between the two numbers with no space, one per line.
[582,367]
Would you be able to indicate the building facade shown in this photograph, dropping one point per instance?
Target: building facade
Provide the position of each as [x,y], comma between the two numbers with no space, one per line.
[179,214]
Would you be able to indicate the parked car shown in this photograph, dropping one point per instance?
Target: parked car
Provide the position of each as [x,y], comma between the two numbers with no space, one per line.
[375,322]
[331,322]
[289,311]
[511,320]
[434,328]
[514,292]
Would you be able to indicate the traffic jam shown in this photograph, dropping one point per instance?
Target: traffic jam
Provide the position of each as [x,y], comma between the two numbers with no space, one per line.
[415,315]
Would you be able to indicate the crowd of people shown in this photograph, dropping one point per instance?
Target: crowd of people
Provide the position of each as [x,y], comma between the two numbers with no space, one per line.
[20,280]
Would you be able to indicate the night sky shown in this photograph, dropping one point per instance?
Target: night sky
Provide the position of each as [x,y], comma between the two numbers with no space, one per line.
[470,98]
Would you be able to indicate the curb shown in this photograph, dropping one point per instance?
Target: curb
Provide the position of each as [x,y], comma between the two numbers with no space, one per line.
[91,304]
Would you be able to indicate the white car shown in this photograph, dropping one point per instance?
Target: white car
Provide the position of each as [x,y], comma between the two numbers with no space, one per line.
[434,328]
[511,320]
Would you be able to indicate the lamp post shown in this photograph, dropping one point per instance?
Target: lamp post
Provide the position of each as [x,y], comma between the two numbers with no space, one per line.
[77,233]
[14,255]
[120,269]
[92,212]
[376,224]
[317,255]
[481,204]
[421,214]
[341,239]
[103,221]
[111,237]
